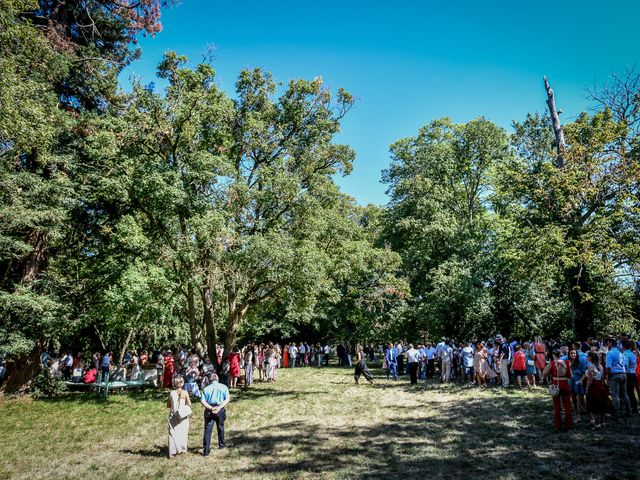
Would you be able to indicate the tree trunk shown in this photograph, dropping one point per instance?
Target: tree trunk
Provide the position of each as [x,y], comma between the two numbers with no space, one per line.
[35,261]
[104,346]
[196,334]
[557,126]
[21,372]
[581,306]
[128,339]
[210,326]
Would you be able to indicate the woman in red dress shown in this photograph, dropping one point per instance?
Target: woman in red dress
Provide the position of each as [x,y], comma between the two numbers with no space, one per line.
[285,357]
[540,354]
[168,369]
[598,401]
[234,366]
[560,371]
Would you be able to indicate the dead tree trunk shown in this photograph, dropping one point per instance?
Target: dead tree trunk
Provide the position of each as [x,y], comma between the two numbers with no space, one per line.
[576,278]
[557,126]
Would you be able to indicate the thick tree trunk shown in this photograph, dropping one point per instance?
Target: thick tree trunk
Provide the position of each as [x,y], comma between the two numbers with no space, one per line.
[581,305]
[196,334]
[35,261]
[210,326]
[557,126]
[21,372]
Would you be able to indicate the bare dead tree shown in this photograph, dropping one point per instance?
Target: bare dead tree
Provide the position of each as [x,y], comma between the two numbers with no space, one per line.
[622,96]
[557,126]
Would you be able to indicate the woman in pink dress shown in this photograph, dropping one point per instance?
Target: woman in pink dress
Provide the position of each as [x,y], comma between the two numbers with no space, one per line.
[234,367]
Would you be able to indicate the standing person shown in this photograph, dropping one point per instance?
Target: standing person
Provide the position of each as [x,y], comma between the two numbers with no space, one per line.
[632,379]
[578,368]
[503,360]
[598,402]
[481,364]
[413,360]
[327,354]
[285,356]
[430,353]
[531,363]
[105,365]
[159,369]
[466,355]
[293,354]
[446,357]
[178,426]
[271,363]
[248,366]
[560,373]
[67,366]
[260,362]
[340,354]
[519,366]
[302,354]
[361,366]
[400,354]
[215,398]
[540,353]
[169,369]
[616,364]
[234,366]
[391,358]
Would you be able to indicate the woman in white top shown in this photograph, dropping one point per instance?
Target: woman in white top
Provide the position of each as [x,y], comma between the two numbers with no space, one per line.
[178,427]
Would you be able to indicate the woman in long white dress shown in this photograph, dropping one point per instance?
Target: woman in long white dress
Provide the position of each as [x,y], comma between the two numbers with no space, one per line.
[178,427]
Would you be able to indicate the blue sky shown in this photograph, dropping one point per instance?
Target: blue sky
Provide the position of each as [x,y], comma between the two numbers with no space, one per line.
[410,62]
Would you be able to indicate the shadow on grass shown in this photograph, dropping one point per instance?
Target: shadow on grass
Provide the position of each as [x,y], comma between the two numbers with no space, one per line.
[157,452]
[501,437]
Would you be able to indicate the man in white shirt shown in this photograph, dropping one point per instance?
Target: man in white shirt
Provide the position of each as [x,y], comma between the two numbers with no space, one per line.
[293,354]
[430,353]
[446,357]
[327,353]
[413,360]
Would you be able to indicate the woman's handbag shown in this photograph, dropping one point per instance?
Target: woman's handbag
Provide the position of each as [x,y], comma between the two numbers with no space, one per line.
[184,411]
[554,389]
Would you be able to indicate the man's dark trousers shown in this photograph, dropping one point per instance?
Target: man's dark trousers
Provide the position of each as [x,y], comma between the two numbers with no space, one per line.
[631,391]
[413,372]
[209,419]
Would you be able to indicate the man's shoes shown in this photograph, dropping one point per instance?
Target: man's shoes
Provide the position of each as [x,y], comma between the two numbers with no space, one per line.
[205,453]
[220,447]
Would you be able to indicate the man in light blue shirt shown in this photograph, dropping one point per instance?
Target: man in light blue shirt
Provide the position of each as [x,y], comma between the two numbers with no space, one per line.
[215,397]
[617,376]
[632,381]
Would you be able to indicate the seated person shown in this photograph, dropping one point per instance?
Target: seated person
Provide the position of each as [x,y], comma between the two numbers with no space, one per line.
[90,375]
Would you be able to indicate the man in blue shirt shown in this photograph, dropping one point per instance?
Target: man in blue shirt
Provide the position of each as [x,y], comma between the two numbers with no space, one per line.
[215,397]
[105,364]
[632,381]
[391,357]
[617,376]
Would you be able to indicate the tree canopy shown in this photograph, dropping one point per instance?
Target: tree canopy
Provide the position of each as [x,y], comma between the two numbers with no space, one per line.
[191,215]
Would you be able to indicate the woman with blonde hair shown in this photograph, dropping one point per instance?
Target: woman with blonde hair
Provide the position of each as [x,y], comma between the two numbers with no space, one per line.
[178,417]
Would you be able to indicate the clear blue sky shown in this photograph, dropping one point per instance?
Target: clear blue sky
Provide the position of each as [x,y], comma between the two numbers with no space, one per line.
[410,62]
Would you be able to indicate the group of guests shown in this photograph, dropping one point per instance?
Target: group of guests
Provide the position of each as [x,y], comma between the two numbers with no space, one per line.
[595,376]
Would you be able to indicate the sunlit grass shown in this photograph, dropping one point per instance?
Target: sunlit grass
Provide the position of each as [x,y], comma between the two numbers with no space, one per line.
[315,424]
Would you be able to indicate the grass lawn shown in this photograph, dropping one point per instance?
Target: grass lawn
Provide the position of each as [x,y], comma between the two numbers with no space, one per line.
[316,423]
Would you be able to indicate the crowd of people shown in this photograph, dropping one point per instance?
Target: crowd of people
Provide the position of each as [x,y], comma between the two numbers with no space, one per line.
[596,376]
